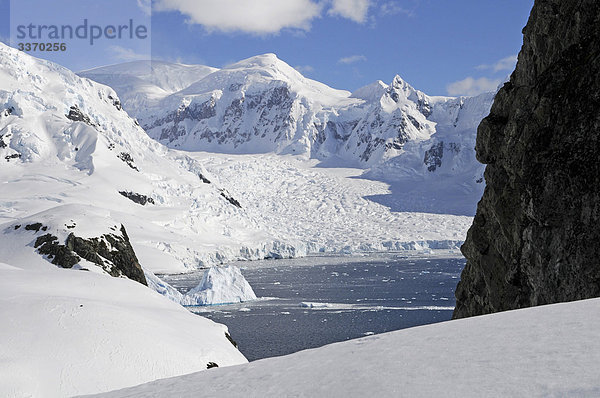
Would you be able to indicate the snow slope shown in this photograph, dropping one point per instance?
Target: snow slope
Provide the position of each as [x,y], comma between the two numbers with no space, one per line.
[70,332]
[547,351]
[142,83]
[68,150]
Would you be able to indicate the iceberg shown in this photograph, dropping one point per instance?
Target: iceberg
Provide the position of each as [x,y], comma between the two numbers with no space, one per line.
[220,285]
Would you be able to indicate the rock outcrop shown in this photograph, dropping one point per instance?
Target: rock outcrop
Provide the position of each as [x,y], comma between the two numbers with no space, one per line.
[138,198]
[112,251]
[535,237]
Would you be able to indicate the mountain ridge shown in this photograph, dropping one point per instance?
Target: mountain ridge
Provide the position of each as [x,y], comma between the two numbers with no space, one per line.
[263,105]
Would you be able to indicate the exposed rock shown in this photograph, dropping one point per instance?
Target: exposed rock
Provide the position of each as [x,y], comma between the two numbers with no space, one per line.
[7,112]
[211,365]
[76,115]
[231,340]
[535,237]
[433,156]
[203,179]
[112,252]
[128,159]
[13,156]
[230,198]
[35,227]
[59,254]
[196,112]
[116,103]
[137,197]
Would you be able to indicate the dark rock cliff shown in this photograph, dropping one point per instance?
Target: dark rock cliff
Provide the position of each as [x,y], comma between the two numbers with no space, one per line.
[536,236]
[112,252]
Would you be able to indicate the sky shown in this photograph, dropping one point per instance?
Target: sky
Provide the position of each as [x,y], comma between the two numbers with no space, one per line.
[458,47]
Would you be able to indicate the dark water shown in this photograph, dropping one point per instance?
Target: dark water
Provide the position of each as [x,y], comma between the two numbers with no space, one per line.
[364,296]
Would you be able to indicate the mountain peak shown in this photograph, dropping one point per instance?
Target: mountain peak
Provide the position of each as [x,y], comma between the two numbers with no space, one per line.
[371,92]
[268,60]
[400,83]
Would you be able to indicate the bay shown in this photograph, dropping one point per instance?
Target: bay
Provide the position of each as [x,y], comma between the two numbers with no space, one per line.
[309,302]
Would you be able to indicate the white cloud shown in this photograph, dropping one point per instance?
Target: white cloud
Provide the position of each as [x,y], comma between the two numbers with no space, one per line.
[145,6]
[356,10]
[507,63]
[393,8]
[352,59]
[256,16]
[471,86]
[304,69]
[126,54]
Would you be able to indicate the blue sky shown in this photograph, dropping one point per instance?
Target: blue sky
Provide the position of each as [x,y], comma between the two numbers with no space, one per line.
[440,47]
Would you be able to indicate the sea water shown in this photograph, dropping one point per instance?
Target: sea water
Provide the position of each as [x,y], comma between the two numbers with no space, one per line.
[310,302]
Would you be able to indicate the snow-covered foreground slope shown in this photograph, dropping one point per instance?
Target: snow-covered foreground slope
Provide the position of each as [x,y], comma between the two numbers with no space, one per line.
[70,332]
[423,145]
[547,351]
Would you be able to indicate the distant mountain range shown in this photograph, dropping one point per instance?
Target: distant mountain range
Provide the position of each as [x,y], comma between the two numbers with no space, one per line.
[262,104]
[423,145]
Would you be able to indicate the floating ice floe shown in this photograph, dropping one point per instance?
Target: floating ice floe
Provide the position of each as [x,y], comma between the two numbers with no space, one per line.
[315,305]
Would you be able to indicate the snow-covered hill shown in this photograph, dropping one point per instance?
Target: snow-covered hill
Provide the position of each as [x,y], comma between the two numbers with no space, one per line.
[549,351]
[68,332]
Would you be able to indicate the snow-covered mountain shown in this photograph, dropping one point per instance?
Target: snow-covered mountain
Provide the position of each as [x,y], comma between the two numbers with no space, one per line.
[422,145]
[79,172]
[262,104]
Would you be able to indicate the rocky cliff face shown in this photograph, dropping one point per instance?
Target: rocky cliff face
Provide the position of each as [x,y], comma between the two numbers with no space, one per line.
[535,237]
